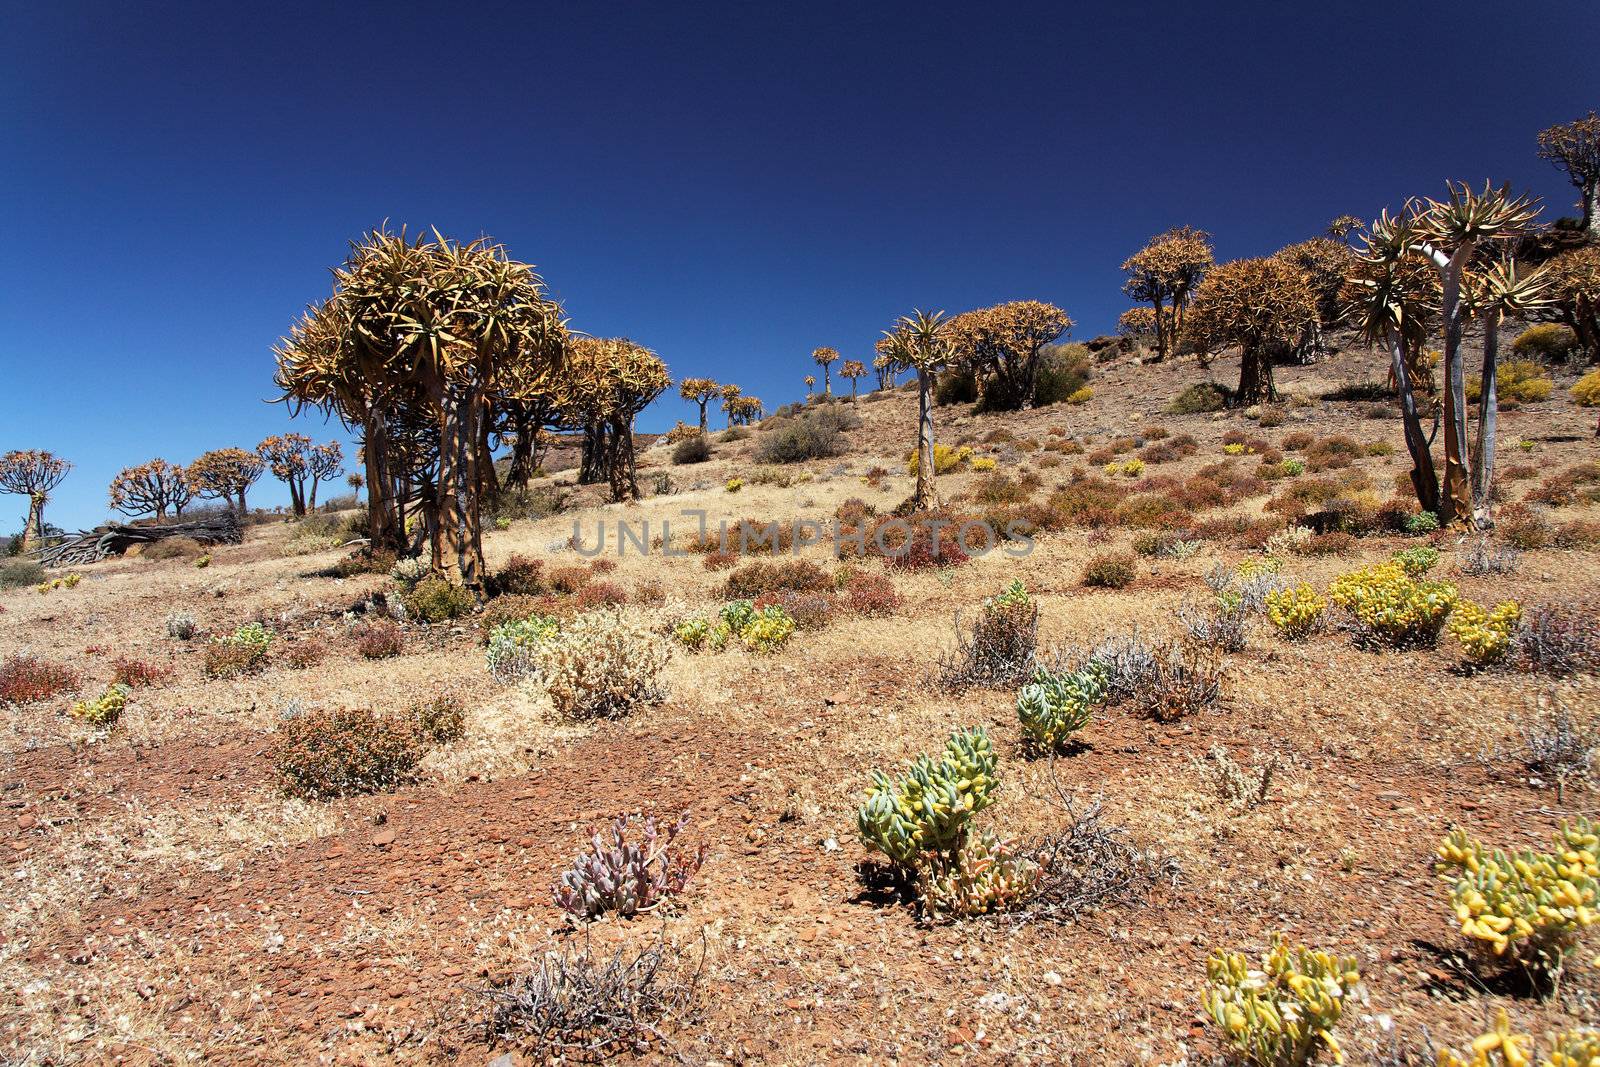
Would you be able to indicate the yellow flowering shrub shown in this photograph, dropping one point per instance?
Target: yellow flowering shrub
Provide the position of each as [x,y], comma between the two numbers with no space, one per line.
[1526,908]
[734,485]
[984,463]
[945,459]
[1295,610]
[1393,607]
[1485,636]
[1284,1012]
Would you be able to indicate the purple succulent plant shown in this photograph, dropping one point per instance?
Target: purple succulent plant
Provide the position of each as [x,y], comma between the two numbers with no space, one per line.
[634,869]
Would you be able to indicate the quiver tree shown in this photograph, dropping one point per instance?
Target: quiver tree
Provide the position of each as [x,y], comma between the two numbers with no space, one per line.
[1261,306]
[853,369]
[1001,346]
[730,395]
[1574,147]
[1448,234]
[1575,294]
[225,474]
[35,475]
[825,358]
[150,489]
[742,410]
[523,424]
[700,392]
[325,463]
[1343,226]
[811,383]
[288,457]
[611,380]
[1326,263]
[1491,295]
[427,331]
[884,367]
[1137,322]
[1392,301]
[1164,274]
[921,342]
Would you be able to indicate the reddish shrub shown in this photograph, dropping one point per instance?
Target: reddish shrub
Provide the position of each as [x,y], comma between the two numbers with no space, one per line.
[321,754]
[520,576]
[1333,543]
[1332,453]
[568,579]
[873,595]
[1297,441]
[719,561]
[25,679]
[753,579]
[299,655]
[809,610]
[379,639]
[600,595]
[138,673]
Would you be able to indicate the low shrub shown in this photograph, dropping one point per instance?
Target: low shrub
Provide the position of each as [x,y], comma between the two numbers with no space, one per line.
[1332,453]
[1179,680]
[1525,909]
[1485,636]
[1111,570]
[103,711]
[303,654]
[756,578]
[913,543]
[379,639]
[638,867]
[25,679]
[1393,609]
[1281,1013]
[1199,398]
[873,595]
[437,600]
[1169,450]
[816,434]
[140,673]
[946,458]
[603,664]
[337,752]
[1559,639]
[1586,390]
[1523,527]
[1548,342]
[173,548]
[1417,561]
[520,576]
[930,808]
[18,573]
[180,626]
[691,450]
[244,651]
[1516,381]
[599,595]
[1295,611]
[441,718]
[1570,1048]
[998,649]
[809,610]
[1063,372]
[513,646]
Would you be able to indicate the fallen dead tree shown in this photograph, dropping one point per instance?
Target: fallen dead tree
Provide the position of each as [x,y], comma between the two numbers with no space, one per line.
[91,546]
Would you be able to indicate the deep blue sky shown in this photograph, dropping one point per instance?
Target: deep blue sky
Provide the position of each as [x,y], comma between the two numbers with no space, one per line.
[732,185]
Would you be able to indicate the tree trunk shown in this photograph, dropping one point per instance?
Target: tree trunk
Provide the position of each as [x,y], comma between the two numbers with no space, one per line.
[1488,411]
[384,531]
[1161,332]
[1455,500]
[1591,210]
[33,528]
[702,416]
[923,498]
[1255,377]
[1423,476]
[621,463]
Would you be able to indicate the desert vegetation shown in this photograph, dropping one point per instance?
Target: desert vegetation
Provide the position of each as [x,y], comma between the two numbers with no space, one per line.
[1080,701]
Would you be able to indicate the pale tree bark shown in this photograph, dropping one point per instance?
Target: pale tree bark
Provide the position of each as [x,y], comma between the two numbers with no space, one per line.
[1488,412]
[1455,499]
[923,498]
[1423,476]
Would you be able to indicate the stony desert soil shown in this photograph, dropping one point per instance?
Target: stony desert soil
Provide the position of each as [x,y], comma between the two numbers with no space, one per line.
[165,902]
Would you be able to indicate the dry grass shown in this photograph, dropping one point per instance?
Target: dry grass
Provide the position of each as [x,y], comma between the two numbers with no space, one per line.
[214,918]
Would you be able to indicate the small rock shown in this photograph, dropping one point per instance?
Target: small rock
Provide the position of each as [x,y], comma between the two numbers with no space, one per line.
[26,821]
[384,838]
